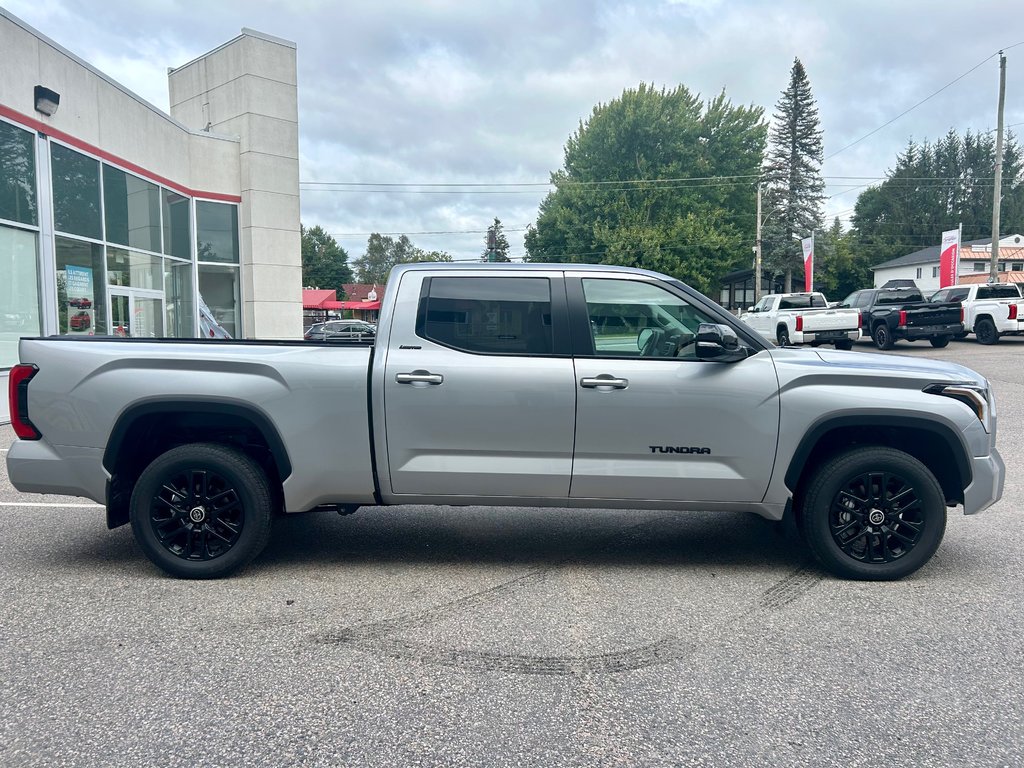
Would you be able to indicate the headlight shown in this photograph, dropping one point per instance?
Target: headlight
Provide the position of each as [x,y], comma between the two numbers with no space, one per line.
[974,396]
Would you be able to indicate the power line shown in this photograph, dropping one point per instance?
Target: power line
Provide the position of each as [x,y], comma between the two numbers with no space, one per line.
[911,109]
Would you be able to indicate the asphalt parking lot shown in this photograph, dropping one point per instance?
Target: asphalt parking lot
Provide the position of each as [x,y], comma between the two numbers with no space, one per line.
[470,636]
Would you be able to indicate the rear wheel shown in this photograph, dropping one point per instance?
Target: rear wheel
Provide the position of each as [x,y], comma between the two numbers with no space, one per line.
[782,336]
[874,514]
[844,345]
[883,337]
[985,331]
[201,511]
[939,341]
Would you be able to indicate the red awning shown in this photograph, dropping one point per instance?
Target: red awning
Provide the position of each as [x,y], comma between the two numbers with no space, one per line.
[367,305]
[315,298]
[333,305]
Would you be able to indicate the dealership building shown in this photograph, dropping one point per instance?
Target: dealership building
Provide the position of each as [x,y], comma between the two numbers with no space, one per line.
[117,218]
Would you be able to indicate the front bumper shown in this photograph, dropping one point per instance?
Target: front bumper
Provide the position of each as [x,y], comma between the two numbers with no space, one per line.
[987,486]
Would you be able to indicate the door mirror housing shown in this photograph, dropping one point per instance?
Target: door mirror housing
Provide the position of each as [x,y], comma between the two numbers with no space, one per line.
[719,343]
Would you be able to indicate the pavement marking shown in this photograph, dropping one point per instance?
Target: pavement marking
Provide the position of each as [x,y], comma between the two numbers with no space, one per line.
[48,504]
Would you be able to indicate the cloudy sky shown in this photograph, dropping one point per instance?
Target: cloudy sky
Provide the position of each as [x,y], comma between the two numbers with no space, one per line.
[486,93]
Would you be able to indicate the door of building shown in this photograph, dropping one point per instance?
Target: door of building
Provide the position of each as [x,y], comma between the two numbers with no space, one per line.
[136,313]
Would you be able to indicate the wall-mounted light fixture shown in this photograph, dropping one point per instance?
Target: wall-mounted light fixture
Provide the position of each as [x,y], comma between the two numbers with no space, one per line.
[47,101]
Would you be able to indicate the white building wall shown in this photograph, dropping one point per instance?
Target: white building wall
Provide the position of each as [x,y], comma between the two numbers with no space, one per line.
[248,87]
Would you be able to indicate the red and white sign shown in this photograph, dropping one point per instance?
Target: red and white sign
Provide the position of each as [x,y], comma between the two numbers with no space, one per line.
[808,247]
[949,258]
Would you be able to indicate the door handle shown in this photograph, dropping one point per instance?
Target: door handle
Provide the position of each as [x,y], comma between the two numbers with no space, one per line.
[604,380]
[419,377]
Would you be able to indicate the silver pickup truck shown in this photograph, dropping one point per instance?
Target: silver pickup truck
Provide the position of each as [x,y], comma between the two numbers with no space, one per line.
[542,385]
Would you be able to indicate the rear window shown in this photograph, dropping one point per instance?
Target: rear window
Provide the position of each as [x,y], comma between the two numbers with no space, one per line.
[998,292]
[794,302]
[899,296]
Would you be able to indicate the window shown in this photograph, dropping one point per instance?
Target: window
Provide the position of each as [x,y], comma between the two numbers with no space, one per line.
[958,294]
[179,304]
[940,296]
[980,266]
[217,232]
[998,292]
[81,294]
[935,271]
[177,220]
[797,301]
[19,290]
[488,315]
[17,175]
[134,269]
[630,318]
[76,193]
[132,210]
[218,289]
[918,273]
[1017,266]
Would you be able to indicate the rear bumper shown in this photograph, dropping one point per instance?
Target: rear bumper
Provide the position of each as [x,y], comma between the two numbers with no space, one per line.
[987,486]
[825,337]
[35,466]
[928,331]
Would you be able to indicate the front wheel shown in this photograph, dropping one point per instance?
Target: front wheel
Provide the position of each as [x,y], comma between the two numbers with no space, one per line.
[201,511]
[939,341]
[883,337]
[873,513]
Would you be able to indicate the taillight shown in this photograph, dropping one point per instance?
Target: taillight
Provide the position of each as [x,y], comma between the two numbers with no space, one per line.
[799,323]
[17,399]
[1013,312]
[961,313]
[903,317]
[860,320]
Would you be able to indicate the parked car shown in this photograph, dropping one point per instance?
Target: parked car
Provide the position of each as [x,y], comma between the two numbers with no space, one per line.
[991,310]
[890,314]
[803,318]
[490,385]
[341,331]
[80,321]
[81,303]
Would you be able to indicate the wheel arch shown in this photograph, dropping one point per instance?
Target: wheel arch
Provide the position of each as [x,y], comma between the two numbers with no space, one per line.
[145,430]
[937,445]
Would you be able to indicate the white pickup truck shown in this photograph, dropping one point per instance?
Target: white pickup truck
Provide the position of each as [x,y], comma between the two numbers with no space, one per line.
[803,318]
[991,310]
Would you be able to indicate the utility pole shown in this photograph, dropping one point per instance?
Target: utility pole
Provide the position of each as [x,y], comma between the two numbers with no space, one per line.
[998,191]
[757,250]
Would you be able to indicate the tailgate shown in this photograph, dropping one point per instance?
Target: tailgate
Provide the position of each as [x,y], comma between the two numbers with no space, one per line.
[922,315]
[831,320]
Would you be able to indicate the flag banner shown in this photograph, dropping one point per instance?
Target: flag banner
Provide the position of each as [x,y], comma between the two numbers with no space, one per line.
[808,247]
[949,258]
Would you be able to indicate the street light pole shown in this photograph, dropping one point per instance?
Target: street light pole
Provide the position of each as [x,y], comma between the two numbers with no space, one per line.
[757,250]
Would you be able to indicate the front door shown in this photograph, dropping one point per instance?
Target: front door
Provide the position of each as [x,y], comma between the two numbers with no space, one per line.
[479,397]
[654,422]
[136,313]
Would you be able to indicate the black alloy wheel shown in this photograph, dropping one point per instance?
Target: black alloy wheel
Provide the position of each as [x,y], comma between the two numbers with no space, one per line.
[782,336]
[883,337]
[873,513]
[985,331]
[201,511]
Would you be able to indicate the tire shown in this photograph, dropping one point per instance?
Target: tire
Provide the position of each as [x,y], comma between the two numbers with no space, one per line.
[883,337]
[782,336]
[985,331]
[201,511]
[846,346]
[939,341]
[855,530]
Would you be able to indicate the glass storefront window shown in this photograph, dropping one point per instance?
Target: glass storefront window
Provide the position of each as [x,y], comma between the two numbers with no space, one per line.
[17,175]
[132,210]
[81,292]
[134,269]
[76,193]
[19,291]
[177,229]
[217,232]
[218,289]
[179,299]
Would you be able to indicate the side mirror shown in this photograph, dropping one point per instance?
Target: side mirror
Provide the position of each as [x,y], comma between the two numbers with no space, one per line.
[719,343]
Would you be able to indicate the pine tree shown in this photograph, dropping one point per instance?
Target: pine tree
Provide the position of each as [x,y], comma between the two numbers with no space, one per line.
[496,245]
[792,176]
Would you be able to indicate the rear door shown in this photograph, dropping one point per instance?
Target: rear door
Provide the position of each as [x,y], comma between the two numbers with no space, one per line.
[652,421]
[479,394]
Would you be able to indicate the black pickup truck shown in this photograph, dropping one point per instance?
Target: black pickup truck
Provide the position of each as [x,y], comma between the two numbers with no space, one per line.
[890,314]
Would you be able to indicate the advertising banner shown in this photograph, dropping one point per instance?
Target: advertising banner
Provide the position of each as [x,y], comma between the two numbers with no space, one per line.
[81,301]
[807,244]
[949,258]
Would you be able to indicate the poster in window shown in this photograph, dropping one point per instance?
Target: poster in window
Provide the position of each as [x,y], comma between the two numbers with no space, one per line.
[81,301]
